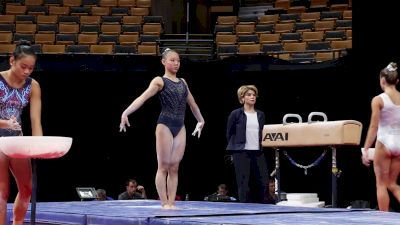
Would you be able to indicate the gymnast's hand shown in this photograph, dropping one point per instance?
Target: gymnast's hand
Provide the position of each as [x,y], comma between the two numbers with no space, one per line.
[124,121]
[199,127]
[364,158]
[13,123]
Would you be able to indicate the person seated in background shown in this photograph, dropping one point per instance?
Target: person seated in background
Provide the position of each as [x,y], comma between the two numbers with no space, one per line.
[272,195]
[133,191]
[221,195]
[102,195]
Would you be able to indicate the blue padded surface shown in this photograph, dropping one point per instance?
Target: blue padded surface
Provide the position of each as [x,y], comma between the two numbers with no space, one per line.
[124,212]
[315,218]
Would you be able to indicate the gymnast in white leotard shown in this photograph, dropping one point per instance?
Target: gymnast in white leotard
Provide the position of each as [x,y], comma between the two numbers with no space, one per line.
[385,128]
[389,125]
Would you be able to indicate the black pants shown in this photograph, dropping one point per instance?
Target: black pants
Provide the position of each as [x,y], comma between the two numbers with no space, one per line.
[247,162]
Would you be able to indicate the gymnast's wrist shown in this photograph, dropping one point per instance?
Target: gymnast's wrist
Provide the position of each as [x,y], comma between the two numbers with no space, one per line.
[3,123]
[125,113]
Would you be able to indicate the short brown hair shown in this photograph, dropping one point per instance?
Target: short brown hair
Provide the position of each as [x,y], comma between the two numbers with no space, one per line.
[245,88]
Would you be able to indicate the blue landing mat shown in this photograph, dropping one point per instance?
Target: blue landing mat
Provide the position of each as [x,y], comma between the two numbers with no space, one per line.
[198,212]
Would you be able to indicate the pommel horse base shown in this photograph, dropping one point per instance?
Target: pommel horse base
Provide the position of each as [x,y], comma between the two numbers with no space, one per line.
[35,147]
[309,134]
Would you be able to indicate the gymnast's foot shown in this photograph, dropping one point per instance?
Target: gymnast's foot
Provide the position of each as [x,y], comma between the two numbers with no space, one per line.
[169,207]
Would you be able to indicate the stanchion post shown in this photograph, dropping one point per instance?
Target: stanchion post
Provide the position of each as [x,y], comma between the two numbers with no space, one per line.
[334,177]
[34,188]
[278,174]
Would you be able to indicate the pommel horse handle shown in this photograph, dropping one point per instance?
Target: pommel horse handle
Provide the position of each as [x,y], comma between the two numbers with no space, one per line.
[291,115]
[323,115]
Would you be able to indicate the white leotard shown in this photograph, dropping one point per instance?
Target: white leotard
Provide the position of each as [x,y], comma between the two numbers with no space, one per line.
[389,125]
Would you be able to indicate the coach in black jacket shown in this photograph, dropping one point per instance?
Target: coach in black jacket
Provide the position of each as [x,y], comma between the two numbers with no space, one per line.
[244,134]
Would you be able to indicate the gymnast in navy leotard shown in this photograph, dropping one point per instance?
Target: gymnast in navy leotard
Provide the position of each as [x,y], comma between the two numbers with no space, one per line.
[174,94]
[173,102]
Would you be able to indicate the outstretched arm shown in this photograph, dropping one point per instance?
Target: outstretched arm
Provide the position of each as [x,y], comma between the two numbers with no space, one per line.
[36,109]
[376,106]
[155,85]
[197,114]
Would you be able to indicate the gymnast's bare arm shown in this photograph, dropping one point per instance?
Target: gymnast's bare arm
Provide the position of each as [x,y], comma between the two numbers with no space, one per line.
[155,86]
[36,109]
[196,112]
[376,106]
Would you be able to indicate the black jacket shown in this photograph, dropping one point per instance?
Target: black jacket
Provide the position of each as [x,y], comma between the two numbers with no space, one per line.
[236,129]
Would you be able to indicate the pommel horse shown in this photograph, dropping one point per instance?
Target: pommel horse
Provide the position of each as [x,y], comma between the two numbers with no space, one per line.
[42,147]
[312,133]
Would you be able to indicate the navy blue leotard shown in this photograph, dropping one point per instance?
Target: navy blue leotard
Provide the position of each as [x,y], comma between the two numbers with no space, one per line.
[173,98]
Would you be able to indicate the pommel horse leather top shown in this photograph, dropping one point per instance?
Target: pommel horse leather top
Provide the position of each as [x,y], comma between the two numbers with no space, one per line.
[312,133]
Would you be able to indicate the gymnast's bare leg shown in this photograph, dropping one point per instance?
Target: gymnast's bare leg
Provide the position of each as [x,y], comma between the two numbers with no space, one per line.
[393,175]
[386,169]
[170,152]
[4,187]
[22,171]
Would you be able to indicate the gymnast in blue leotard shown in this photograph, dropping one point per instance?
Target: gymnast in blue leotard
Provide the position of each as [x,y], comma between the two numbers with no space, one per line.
[385,129]
[174,94]
[173,102]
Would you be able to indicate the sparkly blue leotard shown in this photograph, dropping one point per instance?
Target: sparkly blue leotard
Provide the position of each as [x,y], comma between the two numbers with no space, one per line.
[173,99]
[12,102]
